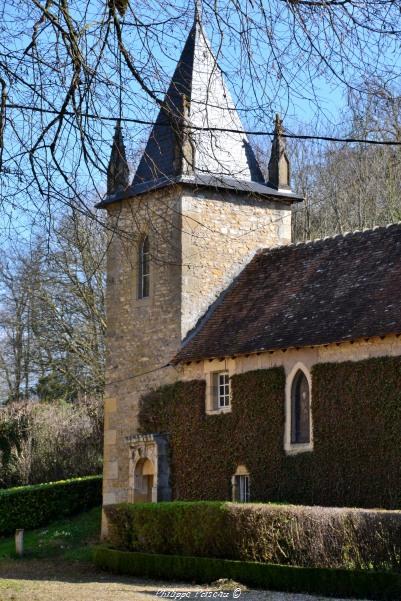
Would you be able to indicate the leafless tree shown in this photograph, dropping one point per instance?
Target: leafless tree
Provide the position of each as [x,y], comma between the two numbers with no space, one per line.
[352,186]
[44,442]
[52,320]
[68,69]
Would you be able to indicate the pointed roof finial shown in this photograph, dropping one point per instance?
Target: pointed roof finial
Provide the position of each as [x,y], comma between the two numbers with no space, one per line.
[198,12]
[279,165]
[117,170]
[278,125]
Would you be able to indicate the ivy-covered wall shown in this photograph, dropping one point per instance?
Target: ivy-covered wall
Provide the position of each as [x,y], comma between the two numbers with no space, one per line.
[356,459]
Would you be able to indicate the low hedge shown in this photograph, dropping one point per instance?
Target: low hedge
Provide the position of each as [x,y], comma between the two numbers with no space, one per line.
[181,528]
[37,505]
[280,534]
[323,581]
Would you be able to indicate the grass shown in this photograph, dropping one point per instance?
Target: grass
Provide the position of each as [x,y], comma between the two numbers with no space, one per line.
[7,585]
[70,539]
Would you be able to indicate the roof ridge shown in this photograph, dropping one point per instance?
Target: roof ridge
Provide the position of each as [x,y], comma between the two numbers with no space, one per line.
[327,238]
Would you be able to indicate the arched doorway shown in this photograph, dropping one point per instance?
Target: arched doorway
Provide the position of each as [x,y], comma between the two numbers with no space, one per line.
[143,481]
[149,468]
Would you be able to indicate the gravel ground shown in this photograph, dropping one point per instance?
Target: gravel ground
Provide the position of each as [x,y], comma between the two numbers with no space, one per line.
[65,581]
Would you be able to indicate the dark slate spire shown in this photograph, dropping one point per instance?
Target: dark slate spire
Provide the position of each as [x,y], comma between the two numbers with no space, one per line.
[117,170]
[279,165]
[180,143]
[198,138]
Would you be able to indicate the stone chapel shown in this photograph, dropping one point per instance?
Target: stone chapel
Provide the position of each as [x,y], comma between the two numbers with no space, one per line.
[239,365]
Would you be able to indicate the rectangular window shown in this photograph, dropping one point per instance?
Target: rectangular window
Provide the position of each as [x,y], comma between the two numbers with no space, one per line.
[221,390]
[242,489]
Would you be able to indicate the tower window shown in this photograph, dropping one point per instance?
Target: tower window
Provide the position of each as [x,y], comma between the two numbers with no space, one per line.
[300,409]
[144,268]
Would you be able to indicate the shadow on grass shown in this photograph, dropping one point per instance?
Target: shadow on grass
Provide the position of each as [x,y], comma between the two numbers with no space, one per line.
[77,572]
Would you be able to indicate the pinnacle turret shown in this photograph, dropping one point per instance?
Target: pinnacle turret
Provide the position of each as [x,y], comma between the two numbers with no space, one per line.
[118,175]
[279,165]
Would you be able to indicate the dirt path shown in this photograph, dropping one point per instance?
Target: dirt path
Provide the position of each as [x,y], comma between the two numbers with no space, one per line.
[36,580]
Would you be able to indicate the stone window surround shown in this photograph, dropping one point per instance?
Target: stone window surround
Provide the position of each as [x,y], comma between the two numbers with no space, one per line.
[289,447]
[153,447]
[210,369]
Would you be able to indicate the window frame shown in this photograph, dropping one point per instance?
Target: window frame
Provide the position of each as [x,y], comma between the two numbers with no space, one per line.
[223,399]
[144,268]
[241,485]
[292,447]
[219,392]
[243,488]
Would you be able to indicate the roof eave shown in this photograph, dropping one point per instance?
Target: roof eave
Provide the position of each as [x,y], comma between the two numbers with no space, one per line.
[220,357]
[285,197]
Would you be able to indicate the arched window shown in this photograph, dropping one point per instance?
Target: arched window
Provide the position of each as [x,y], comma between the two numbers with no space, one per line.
[144,271]
[300,409]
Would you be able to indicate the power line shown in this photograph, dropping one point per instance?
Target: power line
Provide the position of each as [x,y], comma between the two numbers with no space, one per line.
[145,373]
[211,129]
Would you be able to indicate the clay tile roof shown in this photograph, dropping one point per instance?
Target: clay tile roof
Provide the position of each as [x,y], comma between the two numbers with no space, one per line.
[332,290]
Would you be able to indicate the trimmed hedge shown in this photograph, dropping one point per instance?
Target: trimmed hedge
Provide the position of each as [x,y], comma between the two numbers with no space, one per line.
[324,581]
[356,460]
[279,534]
[37,505]
[198,528]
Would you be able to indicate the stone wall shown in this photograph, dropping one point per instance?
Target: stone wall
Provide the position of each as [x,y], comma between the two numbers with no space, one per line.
[220,235]
[199,241]
[142,334]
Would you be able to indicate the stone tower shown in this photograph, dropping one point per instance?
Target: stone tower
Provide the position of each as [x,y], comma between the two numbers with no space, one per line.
[196,211]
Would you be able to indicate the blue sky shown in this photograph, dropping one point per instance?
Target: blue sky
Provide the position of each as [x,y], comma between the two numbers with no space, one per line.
[292,67]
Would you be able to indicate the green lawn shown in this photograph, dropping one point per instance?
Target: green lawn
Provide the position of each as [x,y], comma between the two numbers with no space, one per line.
[70,538]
